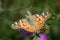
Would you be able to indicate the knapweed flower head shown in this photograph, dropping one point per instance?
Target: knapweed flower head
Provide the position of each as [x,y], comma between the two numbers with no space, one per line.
[42,36]
[25,33]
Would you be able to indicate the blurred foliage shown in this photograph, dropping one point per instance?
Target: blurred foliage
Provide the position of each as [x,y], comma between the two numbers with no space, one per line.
[13,10]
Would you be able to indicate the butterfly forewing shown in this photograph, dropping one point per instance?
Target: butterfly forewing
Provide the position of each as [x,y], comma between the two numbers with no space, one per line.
[38,21]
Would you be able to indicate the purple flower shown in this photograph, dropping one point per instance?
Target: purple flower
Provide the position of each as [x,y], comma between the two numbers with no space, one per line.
[42,36]
[25,33]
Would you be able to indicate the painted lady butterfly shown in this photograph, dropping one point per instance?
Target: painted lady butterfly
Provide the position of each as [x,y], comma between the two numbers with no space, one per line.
[32,23]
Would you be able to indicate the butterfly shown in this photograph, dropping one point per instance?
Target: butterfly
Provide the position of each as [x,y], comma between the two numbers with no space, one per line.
[32,23]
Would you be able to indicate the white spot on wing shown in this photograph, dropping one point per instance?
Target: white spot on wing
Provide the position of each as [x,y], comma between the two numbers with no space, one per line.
[37,15]
[15,23]
[14,26]
[19,20]
[43,14]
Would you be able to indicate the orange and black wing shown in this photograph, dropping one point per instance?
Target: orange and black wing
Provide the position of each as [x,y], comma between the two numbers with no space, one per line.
[23,24]
[40,20]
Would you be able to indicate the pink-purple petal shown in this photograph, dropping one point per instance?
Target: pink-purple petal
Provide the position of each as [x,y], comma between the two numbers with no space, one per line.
[42,36]
[25,33]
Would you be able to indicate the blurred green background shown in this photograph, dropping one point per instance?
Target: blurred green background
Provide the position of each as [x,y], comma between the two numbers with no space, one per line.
[13,10]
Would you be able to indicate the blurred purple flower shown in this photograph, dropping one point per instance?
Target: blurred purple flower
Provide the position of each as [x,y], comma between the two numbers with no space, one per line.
[42,36]
[25,33]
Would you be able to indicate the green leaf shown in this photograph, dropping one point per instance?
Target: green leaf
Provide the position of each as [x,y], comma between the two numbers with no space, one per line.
[35,38]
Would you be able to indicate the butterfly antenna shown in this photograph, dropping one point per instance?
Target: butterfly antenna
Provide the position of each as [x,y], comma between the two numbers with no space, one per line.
[28,14]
